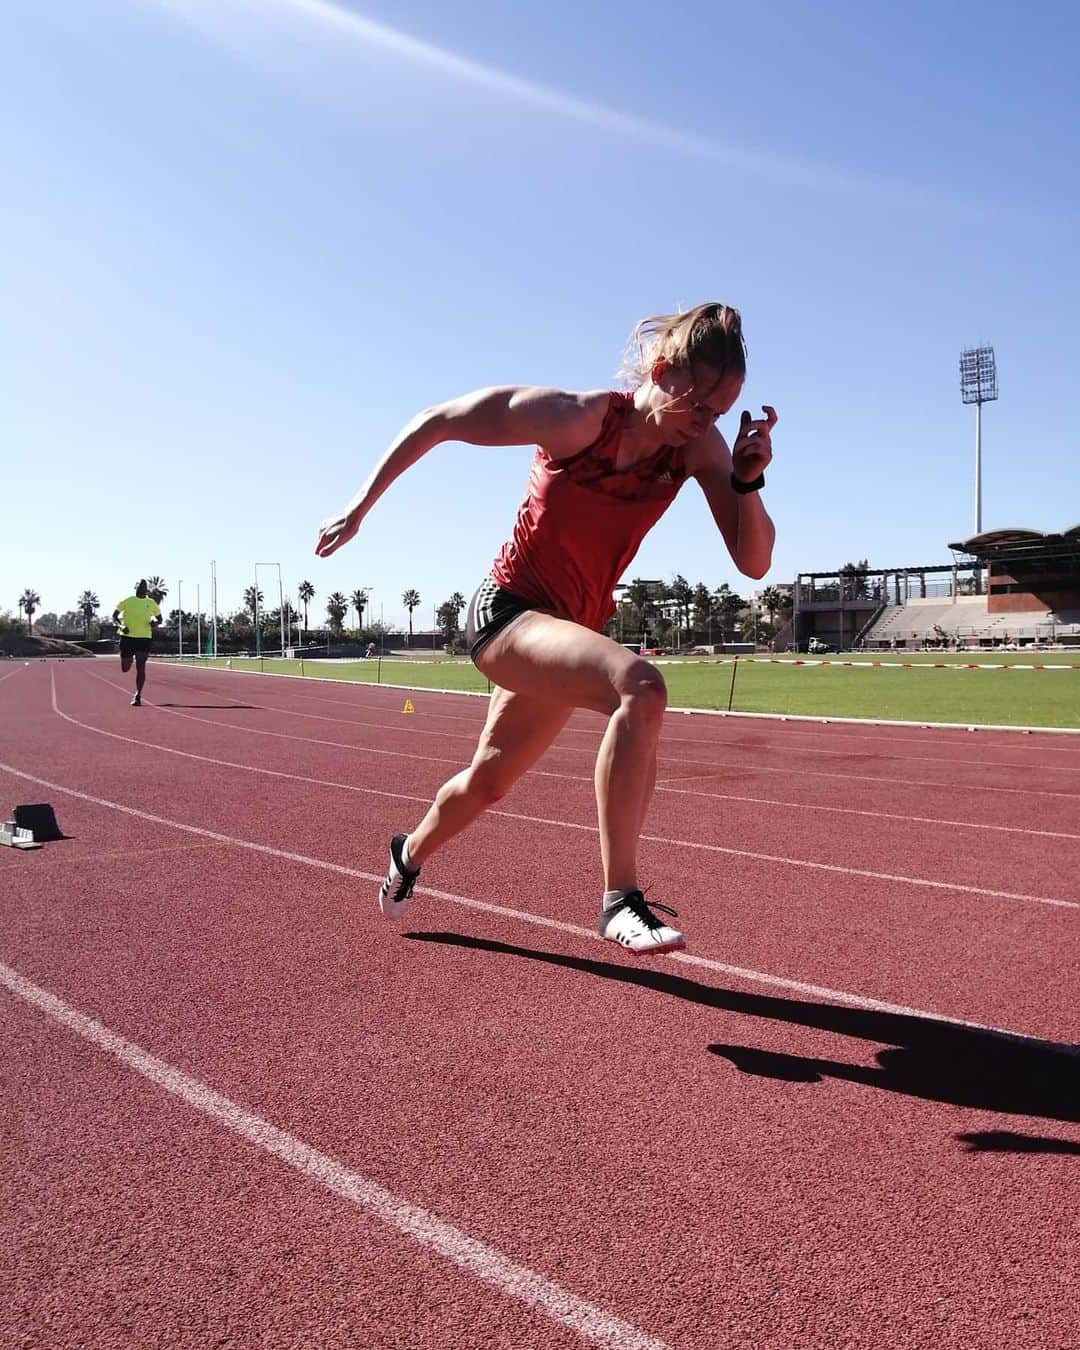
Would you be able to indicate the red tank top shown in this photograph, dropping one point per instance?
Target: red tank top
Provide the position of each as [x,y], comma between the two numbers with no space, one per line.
[583,520]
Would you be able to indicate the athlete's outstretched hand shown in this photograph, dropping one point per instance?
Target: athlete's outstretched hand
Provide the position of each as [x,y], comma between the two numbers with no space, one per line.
[335,531]
[752,451]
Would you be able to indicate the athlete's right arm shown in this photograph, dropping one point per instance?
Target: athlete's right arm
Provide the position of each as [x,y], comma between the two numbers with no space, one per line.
[561,422]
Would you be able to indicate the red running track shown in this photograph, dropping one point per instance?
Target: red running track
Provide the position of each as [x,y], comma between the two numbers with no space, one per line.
[240,1108]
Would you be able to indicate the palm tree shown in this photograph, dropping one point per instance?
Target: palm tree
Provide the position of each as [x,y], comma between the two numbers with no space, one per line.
[28,603]
[156,588]
[682,593]
[410,599]
[771,601]
[336,609]
[448,617]
[359,599]
[89,604]
[252,601]
[306,592]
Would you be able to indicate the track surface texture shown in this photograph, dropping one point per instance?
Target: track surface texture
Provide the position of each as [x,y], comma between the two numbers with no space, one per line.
[239,1108]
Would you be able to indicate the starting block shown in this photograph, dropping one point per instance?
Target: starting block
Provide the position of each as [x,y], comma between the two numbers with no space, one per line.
[13,836]
[30,827]
[408,708]
[40,820]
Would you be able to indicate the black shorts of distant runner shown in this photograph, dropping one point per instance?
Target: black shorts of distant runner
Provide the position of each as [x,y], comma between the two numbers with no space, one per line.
[136,647]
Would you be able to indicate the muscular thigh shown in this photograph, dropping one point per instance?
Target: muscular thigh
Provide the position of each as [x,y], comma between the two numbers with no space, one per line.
[553,659]
[518,729]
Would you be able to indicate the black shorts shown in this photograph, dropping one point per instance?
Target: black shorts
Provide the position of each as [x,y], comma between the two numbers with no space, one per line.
[490,610]
[130,646]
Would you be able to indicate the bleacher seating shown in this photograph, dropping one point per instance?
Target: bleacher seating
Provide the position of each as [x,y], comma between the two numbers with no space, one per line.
[966,621]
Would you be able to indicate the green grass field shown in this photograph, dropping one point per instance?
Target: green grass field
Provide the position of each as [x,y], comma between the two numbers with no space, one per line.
[1001,696]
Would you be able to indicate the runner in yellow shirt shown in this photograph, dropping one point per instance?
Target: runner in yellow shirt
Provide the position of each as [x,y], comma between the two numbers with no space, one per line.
[136,618]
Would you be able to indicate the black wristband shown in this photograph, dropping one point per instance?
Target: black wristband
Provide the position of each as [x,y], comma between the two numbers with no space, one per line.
[754,485]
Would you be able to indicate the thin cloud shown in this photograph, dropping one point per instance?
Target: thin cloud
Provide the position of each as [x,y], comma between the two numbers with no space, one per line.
[535,95]
[347,23]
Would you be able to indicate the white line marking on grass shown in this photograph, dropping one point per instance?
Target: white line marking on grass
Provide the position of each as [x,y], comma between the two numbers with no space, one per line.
[576,825]
[523,916]
[485,1263]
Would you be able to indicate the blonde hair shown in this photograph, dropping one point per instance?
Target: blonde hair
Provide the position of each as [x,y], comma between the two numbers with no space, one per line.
[709,333]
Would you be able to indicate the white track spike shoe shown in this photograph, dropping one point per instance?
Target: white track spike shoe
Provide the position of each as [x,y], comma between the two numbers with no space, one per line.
[632,924]
[398,886]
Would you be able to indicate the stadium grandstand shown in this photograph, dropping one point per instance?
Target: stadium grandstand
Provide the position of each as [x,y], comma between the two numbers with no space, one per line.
[1010,587]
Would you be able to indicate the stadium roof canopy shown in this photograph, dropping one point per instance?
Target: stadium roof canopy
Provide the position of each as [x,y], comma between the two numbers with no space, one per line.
[1022,545]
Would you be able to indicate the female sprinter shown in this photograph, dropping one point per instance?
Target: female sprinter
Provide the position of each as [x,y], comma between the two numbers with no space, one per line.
[607,467]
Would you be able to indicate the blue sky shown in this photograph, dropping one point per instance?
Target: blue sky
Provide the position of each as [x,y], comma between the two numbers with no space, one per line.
[245,240]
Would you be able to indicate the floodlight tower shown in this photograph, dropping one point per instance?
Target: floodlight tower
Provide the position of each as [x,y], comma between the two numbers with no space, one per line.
[978,385]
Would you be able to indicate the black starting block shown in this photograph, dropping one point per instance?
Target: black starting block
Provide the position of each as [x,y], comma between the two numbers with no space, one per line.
[40,820]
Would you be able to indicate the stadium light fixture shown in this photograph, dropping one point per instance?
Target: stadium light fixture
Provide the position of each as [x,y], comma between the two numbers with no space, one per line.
[978,385]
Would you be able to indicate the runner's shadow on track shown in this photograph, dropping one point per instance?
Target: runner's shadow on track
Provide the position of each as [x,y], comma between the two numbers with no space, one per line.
[228,707]
[936,1060]
[962,1067]
[1005,1141]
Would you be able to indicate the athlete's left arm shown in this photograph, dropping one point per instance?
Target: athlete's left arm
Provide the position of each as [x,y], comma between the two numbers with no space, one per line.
[741,517]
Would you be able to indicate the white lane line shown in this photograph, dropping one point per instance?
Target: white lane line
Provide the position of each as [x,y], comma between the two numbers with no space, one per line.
[523,916]
[8,675]
[663,785]
[667,787]
[709,744]
[710,770]
[420,1225]
[750,718]
[805,862]
[954,787]
[591,829]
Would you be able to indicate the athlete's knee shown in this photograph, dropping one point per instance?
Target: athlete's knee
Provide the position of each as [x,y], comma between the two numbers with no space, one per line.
[125,664]
[642,691]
